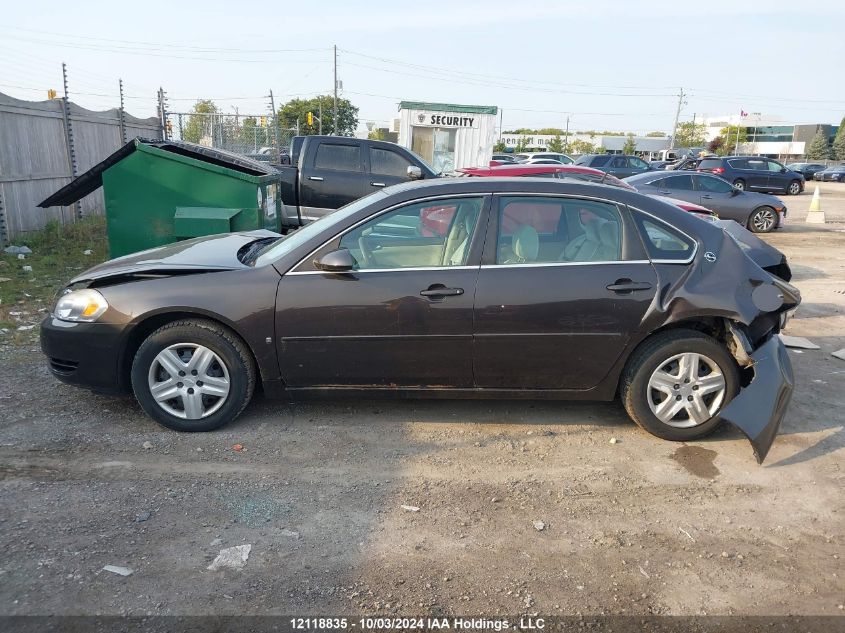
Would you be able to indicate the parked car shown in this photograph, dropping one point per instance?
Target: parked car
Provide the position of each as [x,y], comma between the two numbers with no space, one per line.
[546,171]
[808,170]
[690,162]
[754,173]
[618,165]
[361,301]
[758,211]
[327,172]
[563,159]
[834,173]
[504,158]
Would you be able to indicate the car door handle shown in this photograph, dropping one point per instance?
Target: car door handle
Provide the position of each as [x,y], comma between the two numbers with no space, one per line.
[317,178]
[377,184]
[624,286]
[706,197]
[439,290]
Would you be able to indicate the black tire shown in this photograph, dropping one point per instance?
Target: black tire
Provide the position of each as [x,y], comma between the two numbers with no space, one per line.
[762,220]
[651,355]
[793,188]
[739,183]
[228,347]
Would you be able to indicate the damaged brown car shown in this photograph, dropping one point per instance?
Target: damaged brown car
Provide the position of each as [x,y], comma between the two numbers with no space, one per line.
[454,288]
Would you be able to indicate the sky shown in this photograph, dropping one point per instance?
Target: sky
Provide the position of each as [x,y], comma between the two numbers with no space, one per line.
[606,64]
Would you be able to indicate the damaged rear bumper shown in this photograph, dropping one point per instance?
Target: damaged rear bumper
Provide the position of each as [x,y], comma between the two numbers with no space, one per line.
[758,409]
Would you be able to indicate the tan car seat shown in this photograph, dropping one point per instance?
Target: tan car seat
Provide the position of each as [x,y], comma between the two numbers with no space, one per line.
[525,245]
[586,247]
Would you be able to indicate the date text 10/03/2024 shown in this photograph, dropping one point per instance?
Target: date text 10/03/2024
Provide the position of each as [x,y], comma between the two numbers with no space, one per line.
[421,624]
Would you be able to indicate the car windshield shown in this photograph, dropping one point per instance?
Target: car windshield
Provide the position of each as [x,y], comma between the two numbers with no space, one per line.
[289,242]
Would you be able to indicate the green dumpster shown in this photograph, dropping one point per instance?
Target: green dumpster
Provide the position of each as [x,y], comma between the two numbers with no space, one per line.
[158,192]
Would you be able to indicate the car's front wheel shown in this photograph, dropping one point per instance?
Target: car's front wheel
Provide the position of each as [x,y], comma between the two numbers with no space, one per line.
[676,383]
[763,220]
[794,188]
[193,375]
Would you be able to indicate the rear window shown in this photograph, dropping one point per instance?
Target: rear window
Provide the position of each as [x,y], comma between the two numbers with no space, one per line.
[664,242]
[709,163]
[338,157]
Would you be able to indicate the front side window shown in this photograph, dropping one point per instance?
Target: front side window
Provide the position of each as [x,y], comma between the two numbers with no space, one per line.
[773,166]
[419,235]
[664,242]
[714,185]
[619,162]
[557,230]
[338,157]
[637,163]
[385,162]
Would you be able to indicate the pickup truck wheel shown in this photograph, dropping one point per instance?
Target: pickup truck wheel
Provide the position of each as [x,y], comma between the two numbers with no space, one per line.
[193,375]
[762,219]
[676,382]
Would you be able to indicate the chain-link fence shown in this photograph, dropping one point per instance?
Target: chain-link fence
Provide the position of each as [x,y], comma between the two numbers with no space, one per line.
[254,135]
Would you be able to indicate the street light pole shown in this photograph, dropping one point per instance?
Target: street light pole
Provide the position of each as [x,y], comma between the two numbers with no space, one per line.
[335,90]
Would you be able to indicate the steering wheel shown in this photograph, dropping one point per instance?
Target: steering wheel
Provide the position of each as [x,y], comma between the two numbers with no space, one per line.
[366,254]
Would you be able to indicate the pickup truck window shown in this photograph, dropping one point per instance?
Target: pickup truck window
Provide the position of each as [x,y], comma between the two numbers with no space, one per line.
[338,157]
[386,162]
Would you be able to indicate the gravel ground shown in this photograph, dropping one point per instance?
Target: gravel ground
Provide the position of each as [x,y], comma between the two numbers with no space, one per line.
[638,526]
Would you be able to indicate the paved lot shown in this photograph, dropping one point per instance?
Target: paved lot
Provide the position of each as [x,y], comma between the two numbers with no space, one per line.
[637,527]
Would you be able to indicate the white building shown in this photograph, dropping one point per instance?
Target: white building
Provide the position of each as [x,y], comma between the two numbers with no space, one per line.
[448,135]
[610,144]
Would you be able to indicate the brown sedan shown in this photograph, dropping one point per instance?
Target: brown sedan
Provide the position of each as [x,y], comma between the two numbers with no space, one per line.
[536,289]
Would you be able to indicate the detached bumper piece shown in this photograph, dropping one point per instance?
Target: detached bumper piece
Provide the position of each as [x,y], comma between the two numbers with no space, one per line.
[759,408]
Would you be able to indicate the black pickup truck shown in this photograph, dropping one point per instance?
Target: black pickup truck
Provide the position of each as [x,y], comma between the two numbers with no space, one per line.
[327,172]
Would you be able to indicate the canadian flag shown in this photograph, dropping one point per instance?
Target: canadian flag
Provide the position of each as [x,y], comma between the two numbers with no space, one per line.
[743,113]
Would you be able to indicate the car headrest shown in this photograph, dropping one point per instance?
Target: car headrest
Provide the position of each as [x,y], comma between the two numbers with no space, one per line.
[526,243]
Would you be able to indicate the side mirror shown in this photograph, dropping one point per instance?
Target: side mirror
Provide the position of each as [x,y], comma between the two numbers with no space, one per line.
[337,261]
[414,172]
[783,170]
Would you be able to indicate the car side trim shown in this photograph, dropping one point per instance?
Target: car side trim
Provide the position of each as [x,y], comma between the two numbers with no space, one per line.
[551,264]
[380,270]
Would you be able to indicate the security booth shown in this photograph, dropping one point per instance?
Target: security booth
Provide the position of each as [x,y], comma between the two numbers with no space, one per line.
[159,192]
[448,135]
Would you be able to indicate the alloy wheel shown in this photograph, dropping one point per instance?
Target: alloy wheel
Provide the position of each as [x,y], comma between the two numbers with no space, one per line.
[794,189]
[189,381]
[763,220]
[686,390]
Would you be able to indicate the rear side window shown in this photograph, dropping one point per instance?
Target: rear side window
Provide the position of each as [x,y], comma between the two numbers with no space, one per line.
[757,165]
[338,157]
[599,161]
[663,242]
[709,164]
[681,183]
[388,163]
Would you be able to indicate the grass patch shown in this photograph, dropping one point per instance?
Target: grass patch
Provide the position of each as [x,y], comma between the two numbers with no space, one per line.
[58,253]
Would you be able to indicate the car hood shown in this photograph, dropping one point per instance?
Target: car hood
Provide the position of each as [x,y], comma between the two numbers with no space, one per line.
[201,254]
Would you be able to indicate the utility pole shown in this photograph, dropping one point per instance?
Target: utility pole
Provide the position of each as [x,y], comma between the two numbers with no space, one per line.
[162,113]
[122,113]
[335,90]
[275,127]
[501,129]
[566,135]
[320,116]
[677,116]
[71,150]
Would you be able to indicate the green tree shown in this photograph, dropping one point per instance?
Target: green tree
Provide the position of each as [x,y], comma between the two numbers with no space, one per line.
[691,134]
[819,148]
[521,145]
[297,110]
[579,146]
[729,134]
[377,134]
[499,146]
[656,134]
[839,142]
[556,144]
[630,145]
[199,124]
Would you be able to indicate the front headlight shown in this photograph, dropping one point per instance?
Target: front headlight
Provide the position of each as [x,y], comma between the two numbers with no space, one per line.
[80,305]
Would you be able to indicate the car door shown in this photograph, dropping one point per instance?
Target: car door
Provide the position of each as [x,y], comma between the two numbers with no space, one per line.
[755,172]
[778,176]
[681,187]
[563,286]
[386,167]
[334,176]
[637,165]
[720,196]
[619,167]
[402,317]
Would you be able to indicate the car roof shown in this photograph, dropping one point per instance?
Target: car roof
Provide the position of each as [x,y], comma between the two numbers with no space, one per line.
[523,168]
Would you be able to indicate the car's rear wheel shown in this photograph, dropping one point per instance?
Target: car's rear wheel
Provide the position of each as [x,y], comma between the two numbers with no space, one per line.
[676,383]
[193,375]
[762,220]
[794,188]
[739,183]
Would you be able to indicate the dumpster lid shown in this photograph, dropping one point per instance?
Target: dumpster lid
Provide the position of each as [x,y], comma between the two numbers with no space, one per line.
[92,179]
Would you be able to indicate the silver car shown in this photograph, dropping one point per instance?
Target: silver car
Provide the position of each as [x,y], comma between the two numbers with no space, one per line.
[760,212]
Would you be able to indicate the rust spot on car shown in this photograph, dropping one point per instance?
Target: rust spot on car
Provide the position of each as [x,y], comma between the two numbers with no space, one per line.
[697,461]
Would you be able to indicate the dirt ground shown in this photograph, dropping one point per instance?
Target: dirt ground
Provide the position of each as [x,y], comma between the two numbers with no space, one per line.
[640,526]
